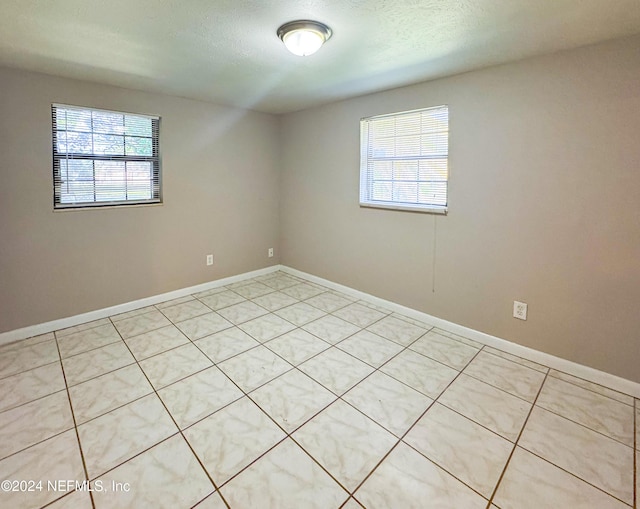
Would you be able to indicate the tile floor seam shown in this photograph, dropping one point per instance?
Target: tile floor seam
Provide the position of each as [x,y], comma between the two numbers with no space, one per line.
[287,434]
[30,369]
[522,428]
[75,425]
[90,350]
[179,431]
[591,390]
[401,439]
[32,400]
[585,426]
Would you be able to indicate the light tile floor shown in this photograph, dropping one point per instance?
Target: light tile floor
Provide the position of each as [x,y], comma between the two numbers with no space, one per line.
[278,393]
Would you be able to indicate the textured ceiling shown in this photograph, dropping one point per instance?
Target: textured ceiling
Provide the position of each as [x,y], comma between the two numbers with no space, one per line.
[227,51]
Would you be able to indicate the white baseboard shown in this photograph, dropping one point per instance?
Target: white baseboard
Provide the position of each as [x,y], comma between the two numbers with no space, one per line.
[63,323]
[573,368]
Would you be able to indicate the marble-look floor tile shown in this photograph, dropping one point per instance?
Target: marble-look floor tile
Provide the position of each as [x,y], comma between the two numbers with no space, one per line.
[446,350]
[597,459]
[359,314]
[492,408]
[462,339]
[284,478]
[222,299]
[302,291]
[28,357]
[274,301]
[352,504]
[605,391]
[225,344]
[185,310]
[281,282]
[420,323]
[85,340]
[29,385]
[243,312]
[415,480]
[383,309]
[397,330]
[292,399]
[33,340]
[463,448]
[33,422]
[390,403]
[297,346]
[203,325]
[253,290]
[133,312]
[74,500]
[328,301]
[173,302]
[370,348]
[254,367]
[213,501]
[266,327]
[83,326]
[51,460]
[139,324]
[210,291]
[345,442]
[300,313]
[171,366]
[156,341]
[419,372]
[588,408]
[107,392]
[229,440]
[199,395]
[514,378]
[331,329]
[122,433]
[167,476]
[336,370]
[85,366]
[515,358]
[531,483]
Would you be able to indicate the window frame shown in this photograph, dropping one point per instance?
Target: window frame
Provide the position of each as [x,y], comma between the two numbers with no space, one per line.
[155,160]
[366,189]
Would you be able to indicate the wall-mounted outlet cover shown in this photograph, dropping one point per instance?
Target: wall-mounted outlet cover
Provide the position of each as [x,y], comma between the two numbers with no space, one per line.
[209,259]
[519,310]
[270,252]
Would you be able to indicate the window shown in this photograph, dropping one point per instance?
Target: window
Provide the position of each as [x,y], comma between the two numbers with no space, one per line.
[104,158]
[404,160]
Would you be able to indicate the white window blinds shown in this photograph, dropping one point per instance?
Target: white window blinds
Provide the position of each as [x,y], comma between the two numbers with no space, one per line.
[404,160]
[104,158]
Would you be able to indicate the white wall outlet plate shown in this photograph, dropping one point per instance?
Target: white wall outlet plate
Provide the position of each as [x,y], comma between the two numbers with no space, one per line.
[519,310]
[270,252]
[210,259]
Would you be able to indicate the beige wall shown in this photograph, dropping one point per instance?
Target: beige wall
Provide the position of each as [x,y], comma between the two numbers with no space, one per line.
[220,174]
[544,196]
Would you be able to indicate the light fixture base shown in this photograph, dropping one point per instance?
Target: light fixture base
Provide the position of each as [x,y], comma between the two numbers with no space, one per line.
[304,37]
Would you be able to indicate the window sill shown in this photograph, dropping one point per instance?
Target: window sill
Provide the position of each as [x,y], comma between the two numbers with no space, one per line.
[111,207]
[407,208]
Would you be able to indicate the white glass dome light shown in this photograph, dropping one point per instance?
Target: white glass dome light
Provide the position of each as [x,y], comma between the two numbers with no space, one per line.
[304,37]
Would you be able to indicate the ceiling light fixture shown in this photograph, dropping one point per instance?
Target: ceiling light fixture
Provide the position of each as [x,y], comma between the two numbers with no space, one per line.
[304,37]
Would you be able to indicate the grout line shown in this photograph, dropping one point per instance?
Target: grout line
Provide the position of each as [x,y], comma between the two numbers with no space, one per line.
[177,427]
[401,439]
[524,425]
[75,424]
[591,390]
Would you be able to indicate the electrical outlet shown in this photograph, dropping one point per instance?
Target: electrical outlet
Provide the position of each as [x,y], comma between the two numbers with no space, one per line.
[519,310]
[270,252]
[210,259]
